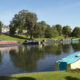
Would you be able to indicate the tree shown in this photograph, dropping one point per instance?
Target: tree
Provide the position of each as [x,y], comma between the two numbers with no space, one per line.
[59,29]
[1,25]
[31,20]
[37,31]
[54,32]
[12,29]
[43,27]
[48,32]
[66,31]
[76,32]
[18,22]
[21,20]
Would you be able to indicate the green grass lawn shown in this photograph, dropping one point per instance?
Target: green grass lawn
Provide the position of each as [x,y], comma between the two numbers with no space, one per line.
[21,38]
[56,38]
[44,76]
[4,37]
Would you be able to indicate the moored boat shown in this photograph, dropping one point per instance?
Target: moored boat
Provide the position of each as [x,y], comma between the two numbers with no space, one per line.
[69,63]
[8,43]
[31,42]
[76,40]
[66,41]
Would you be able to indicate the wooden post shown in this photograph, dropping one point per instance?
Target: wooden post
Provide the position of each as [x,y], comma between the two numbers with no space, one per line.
[57,66]
[68,67]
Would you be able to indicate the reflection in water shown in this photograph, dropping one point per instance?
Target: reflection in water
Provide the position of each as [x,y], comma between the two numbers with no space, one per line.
[26,59]
[7,49]
[0,58]
[20,59]
[54,49]
[76,46]
[66,48]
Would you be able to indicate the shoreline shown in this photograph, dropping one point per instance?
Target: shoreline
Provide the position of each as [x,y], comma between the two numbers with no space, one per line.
[22,38]
[57,75]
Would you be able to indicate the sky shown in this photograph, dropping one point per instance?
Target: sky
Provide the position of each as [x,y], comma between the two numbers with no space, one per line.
[64,12]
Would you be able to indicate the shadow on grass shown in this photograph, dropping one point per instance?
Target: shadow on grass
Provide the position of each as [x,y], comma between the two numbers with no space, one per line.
[71,78]
[16,36]
[16,78]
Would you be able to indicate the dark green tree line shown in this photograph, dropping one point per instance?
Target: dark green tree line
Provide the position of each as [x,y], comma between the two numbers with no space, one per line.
[76,32]
[66,31]
[1,25]
[26,21]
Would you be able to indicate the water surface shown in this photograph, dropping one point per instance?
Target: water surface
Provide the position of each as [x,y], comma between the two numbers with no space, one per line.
[27,59]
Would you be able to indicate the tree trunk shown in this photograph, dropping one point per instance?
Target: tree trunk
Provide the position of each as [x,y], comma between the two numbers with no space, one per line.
[31,35]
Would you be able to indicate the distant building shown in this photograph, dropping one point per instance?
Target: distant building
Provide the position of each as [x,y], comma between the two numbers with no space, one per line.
[5,29]
[23,32]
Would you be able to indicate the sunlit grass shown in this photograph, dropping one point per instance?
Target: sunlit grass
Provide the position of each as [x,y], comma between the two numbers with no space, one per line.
[44,76]
[4,37]
[22,38]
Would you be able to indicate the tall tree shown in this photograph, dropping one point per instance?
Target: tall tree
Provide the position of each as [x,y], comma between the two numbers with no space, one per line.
[37,31]
[59,29]
[55,32]
[66,30]
[31,20]
[12,29]
[1,25]
[76,32]
[43,27]
[48,32]
[18,22]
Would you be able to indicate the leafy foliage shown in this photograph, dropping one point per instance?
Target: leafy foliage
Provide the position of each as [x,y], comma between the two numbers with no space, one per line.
[48,32]
[76,32]
[31,20]
[18,22]
[54,32]
[27,21]
[1,25]
[66,30]
[59,29]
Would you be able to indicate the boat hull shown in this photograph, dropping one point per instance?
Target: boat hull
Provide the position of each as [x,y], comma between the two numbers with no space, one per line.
[31,43]
[8,43]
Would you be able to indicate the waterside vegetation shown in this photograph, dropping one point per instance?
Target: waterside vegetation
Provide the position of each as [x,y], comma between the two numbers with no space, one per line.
[26,23]
[22,38]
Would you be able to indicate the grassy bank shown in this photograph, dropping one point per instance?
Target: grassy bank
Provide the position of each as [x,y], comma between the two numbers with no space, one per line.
[45,76]
[4,37]
[21,38]
[57,38]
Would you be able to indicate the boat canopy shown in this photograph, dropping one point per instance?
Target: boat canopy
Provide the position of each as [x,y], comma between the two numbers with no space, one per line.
[70,59]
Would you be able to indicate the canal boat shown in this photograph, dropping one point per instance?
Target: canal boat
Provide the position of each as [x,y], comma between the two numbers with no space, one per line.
[69,63]
[66,41]
[31,42]
[76,40]
[8,43]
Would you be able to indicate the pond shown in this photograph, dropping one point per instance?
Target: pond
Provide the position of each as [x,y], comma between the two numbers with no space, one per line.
[27,59]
